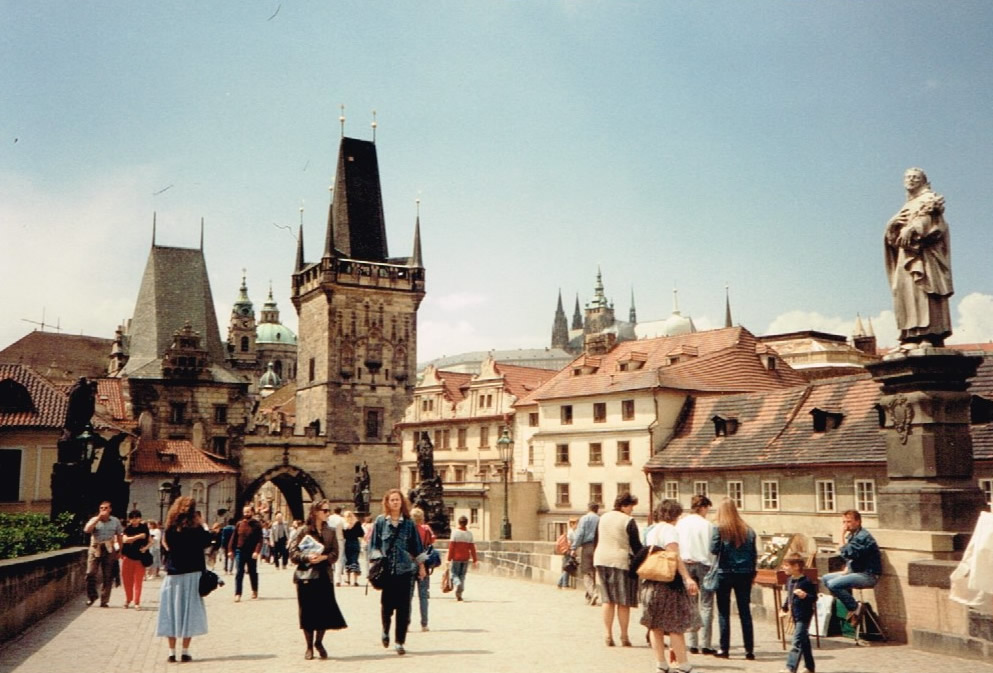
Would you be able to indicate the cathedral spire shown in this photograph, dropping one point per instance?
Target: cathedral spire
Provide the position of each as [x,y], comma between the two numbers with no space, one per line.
[201,234]
[416,260]
[153,228]
[599,299]
[632,314]
[727,306]
[560,328]
[859,329]
[577,315]
[374,126]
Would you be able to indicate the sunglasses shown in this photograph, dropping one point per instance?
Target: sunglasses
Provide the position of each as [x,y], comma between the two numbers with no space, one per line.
[324,509]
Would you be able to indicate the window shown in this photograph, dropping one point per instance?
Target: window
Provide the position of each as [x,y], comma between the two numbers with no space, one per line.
[220,414]
[177,412]
[442,474]
[445,438]
[219,445]
[244,344]
[373,423]
[311,367]
[623,452]
[461,439]
[10,475]
[596,493]
[623,487]
[565,414]
[561,454]
[599,412]
[197,491]
[736,493]
[825,420]
[596,454]
[770,495]
[825,495]
[533,419]
[459,475]
[985,485]
[414,474]
[427,405]
[672,490]
[701,488]
[437,439]
[484,437]
[627,410]
[562,495]
[474,515]
[865,496]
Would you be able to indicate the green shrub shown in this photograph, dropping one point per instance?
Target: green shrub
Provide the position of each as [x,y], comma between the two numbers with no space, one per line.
[26,534]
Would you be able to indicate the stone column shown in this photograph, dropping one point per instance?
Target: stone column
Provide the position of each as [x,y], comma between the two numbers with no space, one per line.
[929,457]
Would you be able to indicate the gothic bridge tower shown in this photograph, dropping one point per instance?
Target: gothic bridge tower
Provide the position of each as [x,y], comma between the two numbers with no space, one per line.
[357,343]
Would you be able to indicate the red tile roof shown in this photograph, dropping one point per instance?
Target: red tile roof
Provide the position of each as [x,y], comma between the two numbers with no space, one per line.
[454,385]
[521,381]
[61,358]
[50,403]
[110,396]
[725,360]
[174,456]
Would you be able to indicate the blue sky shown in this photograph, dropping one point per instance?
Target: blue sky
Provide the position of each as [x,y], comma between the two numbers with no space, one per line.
[688,144]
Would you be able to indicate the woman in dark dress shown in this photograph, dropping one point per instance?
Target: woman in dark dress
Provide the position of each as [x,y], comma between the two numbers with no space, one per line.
[315,590]
[353,543]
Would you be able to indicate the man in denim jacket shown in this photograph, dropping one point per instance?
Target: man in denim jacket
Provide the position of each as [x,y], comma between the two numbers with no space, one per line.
[863,564]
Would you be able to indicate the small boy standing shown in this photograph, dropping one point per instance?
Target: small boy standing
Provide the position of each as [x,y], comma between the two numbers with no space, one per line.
[801,597]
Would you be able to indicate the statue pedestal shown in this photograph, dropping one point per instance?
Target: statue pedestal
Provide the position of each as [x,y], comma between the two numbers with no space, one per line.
[929,457]
[430,497]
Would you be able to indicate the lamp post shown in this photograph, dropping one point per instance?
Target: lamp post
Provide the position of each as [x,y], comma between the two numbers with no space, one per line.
[505,445]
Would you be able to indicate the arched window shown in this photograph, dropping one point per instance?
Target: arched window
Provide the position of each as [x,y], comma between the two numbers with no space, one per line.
[277,367]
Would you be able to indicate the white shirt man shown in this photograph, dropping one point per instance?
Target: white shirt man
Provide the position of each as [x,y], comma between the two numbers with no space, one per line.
[694,547]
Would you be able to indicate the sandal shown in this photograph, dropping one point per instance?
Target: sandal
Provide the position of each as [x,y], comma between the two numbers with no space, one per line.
[610,641]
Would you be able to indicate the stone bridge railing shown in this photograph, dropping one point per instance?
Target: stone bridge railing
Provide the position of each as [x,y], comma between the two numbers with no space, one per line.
[32,587]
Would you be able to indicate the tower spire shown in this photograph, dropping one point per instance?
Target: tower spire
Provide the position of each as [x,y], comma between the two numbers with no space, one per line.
[341,120]
[329,235]
[416,260]
[560,328]
[577,315]
[153,228]
[299,264]
[727,306]
[632,314]
[201,234]
[675,301]
[374,125]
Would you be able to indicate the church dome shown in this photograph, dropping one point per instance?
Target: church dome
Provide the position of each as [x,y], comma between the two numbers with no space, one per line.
[677,324]
[274,333]
[270,379]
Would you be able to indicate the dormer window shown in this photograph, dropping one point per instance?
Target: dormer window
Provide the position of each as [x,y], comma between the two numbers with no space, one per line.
[14,397]
[825,420]
[724,426]
[770,362]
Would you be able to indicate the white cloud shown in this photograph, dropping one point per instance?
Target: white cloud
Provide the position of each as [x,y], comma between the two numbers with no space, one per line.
[974,322]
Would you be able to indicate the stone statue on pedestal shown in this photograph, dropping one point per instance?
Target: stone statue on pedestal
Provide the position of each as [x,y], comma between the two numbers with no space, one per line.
[918,265]
[429,494]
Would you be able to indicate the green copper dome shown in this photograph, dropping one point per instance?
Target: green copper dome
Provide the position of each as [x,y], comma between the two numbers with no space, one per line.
[274,333]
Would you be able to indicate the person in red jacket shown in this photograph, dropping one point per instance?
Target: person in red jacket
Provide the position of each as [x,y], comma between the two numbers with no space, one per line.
[460,550]
[244,547]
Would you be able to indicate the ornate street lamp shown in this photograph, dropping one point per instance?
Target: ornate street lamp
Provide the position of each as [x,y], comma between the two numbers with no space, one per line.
[505,445]
[165,493]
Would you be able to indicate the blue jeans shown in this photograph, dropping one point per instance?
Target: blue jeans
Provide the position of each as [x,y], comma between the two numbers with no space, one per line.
[741,584]
[423,589]
[801,646]
[841,584]
[458,576]
[706,599]
[241,560]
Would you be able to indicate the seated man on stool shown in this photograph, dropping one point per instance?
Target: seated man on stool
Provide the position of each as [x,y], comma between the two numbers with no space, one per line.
[863,564]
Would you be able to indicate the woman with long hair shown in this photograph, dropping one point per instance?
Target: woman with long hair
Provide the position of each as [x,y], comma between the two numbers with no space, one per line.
[666,605]
[733,542]
[395,539]
[617,540]
[318,609]
[181,610]
[353,535]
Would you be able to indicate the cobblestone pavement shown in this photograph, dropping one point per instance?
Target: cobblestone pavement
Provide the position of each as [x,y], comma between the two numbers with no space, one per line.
[503,625]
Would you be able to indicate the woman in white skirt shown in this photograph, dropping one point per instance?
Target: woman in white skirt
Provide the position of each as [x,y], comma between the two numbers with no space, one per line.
[181,610]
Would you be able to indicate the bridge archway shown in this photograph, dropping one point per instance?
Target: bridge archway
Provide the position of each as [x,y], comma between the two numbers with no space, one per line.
[292,481]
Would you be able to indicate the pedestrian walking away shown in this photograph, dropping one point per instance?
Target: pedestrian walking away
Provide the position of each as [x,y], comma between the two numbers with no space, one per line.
[337,521]
[105,533]
[353,536]
[423,585]
[245,547]
[582,549]
[461,550]
[396,541]
[182,614]
[313,552]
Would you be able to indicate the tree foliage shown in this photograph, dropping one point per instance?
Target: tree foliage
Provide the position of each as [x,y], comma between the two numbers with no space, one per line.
[26,534]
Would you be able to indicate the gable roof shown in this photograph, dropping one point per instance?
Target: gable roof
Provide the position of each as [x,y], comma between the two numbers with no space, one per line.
[521,381]
[775,428]
[60,358]
[174,456]
[726,360]
[49,402]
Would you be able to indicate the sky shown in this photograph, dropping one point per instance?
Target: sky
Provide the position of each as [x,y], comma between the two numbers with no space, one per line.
[754,148]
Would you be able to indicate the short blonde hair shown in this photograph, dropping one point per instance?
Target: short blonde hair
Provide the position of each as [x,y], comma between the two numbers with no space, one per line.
[417,514]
